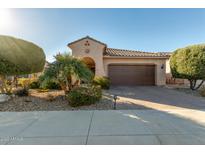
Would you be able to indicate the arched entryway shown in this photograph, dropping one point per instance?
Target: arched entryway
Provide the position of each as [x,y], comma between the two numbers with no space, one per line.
[90,63]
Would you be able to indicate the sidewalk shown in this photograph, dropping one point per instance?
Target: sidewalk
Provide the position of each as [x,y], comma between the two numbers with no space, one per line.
[99,127]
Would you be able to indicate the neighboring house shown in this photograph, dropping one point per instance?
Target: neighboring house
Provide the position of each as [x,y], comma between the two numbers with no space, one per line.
[123,67]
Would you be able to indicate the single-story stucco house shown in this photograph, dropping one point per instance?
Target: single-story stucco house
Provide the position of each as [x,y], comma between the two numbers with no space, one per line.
[123,67]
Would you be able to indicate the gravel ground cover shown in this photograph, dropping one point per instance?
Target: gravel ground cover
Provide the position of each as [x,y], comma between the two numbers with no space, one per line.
[54,100]
[50,101]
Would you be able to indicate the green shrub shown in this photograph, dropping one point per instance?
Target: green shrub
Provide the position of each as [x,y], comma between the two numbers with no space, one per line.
[18,57]
[49,84]
[189,63]
[34,85]
[202,91]
[84,95]
[104,82]
[21,92]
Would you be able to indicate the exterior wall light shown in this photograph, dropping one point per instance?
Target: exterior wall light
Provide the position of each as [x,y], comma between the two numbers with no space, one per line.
[162,66]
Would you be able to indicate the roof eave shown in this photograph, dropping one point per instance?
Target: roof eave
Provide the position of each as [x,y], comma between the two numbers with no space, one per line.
[87,37]
[139,57]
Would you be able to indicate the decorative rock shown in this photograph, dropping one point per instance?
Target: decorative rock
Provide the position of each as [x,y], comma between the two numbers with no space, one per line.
[4,98]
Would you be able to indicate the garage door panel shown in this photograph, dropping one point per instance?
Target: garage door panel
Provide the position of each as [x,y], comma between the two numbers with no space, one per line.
[132,74]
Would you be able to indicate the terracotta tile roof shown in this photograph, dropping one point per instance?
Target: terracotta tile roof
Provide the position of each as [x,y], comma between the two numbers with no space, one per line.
[87,37]
[132,53]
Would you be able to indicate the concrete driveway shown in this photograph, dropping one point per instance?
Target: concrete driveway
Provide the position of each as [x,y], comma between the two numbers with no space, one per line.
[99,127]
[160,99]
[153,97]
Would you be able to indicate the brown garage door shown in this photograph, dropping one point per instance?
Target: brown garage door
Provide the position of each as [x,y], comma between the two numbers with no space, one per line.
[131,75]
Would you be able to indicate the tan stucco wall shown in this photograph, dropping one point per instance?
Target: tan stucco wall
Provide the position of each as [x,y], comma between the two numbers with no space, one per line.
[95,52]
[101,63]
[160,74]
[168,70]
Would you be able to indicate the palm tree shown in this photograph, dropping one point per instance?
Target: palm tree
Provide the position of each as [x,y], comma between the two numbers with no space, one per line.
[67,71]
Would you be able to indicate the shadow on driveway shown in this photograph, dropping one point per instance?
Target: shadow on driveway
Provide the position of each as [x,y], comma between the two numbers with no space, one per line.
[157,97]
[160,99]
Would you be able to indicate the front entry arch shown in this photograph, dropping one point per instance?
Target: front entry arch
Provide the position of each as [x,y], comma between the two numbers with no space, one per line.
[90,63]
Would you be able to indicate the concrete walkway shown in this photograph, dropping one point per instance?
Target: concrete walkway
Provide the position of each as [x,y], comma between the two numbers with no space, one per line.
[101,127]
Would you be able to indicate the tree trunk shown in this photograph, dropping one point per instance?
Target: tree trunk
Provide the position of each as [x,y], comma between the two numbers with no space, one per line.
[63,87]
[191,84]
[16,81]
[76,83]
[69,83]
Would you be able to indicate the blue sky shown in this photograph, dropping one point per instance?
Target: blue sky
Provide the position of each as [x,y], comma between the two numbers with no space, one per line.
[138,29]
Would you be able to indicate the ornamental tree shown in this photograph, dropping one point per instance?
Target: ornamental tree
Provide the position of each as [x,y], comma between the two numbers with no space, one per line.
[18,57]
[67,71]
[189,63]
